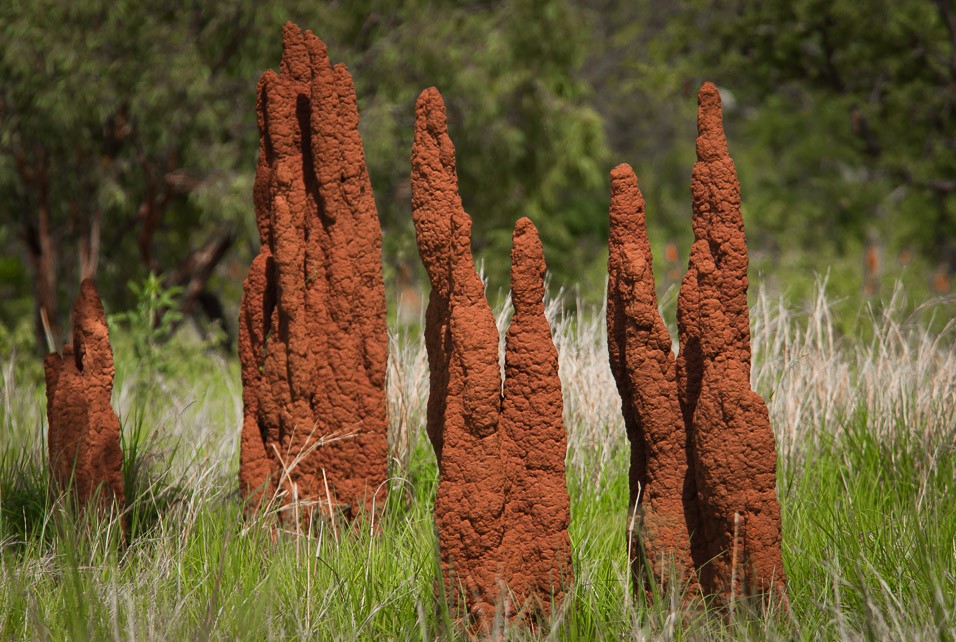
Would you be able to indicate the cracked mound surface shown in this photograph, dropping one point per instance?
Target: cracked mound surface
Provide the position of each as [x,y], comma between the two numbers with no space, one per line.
[84,431]
[502,508]
[312,338]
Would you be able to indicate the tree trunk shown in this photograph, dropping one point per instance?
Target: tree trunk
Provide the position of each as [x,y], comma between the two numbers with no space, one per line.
[39,244]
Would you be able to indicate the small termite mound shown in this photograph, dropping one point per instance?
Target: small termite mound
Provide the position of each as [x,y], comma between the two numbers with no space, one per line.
[84,431]
[663,502]
[703,458]
[735,457]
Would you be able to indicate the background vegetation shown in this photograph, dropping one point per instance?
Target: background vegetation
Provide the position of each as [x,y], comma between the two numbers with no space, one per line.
[128,137]
[127,149]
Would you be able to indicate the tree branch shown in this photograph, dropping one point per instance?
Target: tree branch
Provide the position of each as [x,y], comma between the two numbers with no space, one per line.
[194,273]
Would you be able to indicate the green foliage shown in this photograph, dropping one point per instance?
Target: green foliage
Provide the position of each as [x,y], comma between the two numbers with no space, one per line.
[841,118]
[527,141]
[24,499]
[115,112]
[150,324]
[136,103]
[17,339]
[858,528]
[14,273]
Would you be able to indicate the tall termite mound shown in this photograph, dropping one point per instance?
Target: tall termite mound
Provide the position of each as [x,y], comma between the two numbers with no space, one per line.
[502,507]
[661,477]
[84,431]
[703,459]
[312,327]
[735,454]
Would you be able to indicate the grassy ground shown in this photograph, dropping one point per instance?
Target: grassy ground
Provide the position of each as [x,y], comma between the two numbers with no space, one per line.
[866,430]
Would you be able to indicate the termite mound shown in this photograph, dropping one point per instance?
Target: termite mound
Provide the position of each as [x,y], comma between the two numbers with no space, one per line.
[703,458]
[84,432]
[313,340]
[502,507]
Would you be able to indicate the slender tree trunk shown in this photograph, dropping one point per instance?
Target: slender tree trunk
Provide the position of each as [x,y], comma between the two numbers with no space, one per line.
[89,247]
[40,247]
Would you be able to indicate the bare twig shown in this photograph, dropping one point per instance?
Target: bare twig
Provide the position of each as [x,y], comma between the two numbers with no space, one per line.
[50,342]
[733,563]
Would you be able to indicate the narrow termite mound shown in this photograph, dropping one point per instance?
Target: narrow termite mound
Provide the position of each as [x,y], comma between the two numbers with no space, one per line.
[735,454]
[84,431]
[536,547]
[663,504]
[703,458]
[313,340]
[502,508]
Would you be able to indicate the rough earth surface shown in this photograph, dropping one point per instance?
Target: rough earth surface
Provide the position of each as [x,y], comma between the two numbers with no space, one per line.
[699,434]
[735,454]
[502,508]
[663,503]
[313,339]
[84,431]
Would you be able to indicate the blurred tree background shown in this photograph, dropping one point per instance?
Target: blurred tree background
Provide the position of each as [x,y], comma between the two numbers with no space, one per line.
[128,136]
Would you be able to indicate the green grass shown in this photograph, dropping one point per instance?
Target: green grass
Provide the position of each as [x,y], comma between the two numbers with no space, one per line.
[866,485]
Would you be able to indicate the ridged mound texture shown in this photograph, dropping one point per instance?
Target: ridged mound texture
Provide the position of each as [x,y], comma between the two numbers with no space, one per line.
[502,508]
[704,507]
[84,431]
[312,328]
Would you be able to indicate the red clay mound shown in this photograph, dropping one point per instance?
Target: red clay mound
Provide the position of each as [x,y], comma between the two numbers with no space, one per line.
[699,435]
[663,503]
[313,339]
[502,507]
[84,432]
[536,547]
[735,454]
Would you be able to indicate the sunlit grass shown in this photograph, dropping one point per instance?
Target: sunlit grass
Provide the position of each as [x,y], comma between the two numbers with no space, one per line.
[867,442]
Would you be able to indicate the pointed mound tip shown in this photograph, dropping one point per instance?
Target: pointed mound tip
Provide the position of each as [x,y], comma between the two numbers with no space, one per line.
[623,177]
[708,95]
[627,207]
[88,305]
[290,32]
[430,109]
[527,265]
[88,286]
[711,142]
[525,226]
[295,53]
[430,102]
[527,253]
[317,49]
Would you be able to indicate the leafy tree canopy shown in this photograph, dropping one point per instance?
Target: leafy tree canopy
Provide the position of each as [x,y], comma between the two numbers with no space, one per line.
[128,136]
[129,131]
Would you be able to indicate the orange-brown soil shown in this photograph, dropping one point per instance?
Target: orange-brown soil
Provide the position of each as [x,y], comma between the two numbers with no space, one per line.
[313,340]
